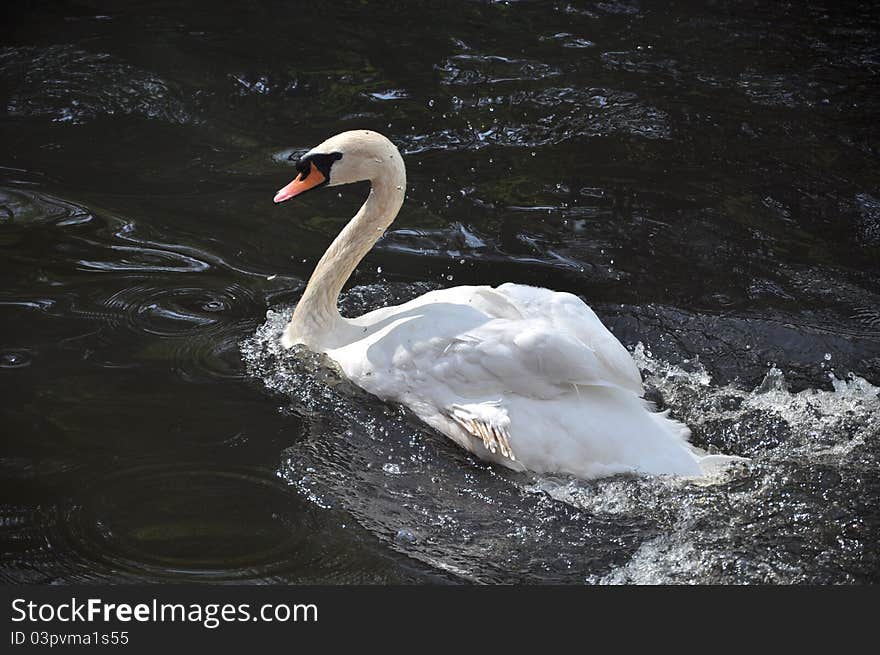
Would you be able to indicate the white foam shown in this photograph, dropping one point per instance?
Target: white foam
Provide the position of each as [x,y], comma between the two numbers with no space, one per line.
[822,421]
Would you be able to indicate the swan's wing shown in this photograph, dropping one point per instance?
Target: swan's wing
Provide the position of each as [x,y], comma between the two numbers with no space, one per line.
[468,344]
[529,357]
[571,316]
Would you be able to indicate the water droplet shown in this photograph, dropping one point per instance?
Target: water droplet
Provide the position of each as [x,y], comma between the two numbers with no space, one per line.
[14,359]
[431,102]
[379,270]
[827,357]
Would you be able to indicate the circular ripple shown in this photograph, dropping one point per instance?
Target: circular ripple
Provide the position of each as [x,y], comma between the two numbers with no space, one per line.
[192,523]
[198,327]
[214,353]
[15,358]
[177,311]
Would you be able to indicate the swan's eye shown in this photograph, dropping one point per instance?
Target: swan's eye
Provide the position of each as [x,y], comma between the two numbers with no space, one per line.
[322,162]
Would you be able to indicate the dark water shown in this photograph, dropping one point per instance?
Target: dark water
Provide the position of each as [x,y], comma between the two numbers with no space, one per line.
[705,175]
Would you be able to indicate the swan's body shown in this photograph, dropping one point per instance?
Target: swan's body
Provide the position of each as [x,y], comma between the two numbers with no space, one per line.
[522,376]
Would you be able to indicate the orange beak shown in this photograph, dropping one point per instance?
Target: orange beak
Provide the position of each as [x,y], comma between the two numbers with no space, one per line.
[301,184]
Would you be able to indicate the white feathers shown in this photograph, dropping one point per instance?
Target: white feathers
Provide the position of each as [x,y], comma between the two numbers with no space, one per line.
[521,376]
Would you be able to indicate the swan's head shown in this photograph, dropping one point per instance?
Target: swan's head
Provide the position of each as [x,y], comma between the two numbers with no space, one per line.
[348,157]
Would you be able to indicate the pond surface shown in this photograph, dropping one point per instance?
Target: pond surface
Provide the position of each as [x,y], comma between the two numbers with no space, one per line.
[704,174]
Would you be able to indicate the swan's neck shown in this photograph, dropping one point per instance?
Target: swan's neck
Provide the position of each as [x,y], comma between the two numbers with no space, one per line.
[316,320]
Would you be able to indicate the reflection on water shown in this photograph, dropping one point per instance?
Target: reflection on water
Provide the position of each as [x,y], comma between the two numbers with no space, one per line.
[705,176]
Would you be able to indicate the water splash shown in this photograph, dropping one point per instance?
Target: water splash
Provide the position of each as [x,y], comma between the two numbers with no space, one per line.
[802,510]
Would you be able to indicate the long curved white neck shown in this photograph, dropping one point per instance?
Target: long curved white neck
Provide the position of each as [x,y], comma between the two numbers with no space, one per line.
[316,321]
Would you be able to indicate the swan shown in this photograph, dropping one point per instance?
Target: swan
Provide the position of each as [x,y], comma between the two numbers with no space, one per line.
[524,377]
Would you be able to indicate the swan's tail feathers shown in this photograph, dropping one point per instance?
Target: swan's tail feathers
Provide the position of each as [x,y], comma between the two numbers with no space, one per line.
[488,422]
[671,425]
[713,465]
[710,465]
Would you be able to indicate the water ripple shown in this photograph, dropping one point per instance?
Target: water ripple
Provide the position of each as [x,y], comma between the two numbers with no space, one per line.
[71,85]
[539,118]
[473,69]
[176,311]
[144,260]
[18,358]
[23,208]
[190,523]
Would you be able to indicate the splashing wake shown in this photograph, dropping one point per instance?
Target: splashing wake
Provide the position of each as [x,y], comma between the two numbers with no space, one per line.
[803,509]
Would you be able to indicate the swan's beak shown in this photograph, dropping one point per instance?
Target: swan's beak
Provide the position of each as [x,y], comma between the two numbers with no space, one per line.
[301,184]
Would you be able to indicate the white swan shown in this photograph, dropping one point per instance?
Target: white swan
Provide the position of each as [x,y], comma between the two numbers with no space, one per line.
[522,376]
